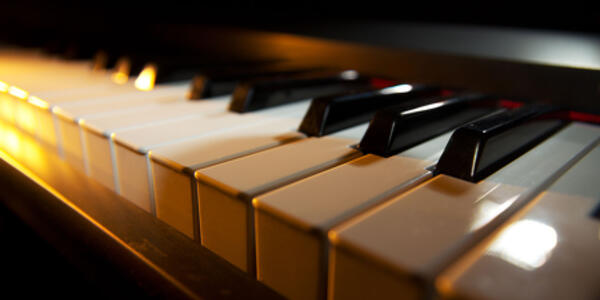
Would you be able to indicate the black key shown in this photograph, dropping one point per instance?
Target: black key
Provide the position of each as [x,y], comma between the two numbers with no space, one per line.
[265,93]
[480,148]
[329,114]
[169,69]
[128,67]
[398,128]
[596,212]
[121,70]
[136,64]
[172,72]
[222,82]
[172,69]
[100,60]
[80,49]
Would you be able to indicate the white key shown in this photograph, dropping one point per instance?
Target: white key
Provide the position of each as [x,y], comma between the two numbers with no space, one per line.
[33,99]
[400,246]
[292,222]
[69,116]
[97,129]
[45,84]
[47,114]
[132,147]
[547,251]
[240,180]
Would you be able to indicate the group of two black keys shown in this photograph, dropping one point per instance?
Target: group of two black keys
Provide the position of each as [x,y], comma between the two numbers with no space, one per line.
[487,133]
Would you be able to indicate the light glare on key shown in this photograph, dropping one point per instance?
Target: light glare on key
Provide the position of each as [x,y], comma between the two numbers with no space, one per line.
[121,74]
[145,81]
[3,87]
[18,92]
[38,102]
[401,88]
[526,244]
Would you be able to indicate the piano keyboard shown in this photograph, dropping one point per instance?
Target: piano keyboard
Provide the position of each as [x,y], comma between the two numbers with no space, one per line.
[331,184]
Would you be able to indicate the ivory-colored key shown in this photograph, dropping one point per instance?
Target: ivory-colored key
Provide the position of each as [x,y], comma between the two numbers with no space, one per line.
[400,246]
[249,176]
[292,222]
[72,114]
[225,191]
[421,131]
[549,250]
[173,166]
[132,147]
[45,83]
[98,129]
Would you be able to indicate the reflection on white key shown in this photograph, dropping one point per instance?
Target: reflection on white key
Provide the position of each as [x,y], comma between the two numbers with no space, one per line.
[48,82]
[292,222]
[33,113]
[405,243]
[547,251]
[526,244]
[98,129]
[242,179]
[174,182]
[71,115]
[132,146]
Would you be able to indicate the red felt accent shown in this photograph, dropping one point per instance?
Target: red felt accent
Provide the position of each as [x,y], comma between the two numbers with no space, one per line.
[510,104]
[583,117]
[446,93]
[381,83]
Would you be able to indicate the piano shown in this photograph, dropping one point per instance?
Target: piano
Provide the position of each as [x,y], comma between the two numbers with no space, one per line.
[386,161]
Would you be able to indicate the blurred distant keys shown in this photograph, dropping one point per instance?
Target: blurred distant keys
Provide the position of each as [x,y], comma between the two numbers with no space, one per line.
[223,81]
[258,94]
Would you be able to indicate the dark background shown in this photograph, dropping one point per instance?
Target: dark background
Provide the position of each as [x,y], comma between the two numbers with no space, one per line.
[20,16]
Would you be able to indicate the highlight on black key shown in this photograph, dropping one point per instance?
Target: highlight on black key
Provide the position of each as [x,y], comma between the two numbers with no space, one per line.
[480,148]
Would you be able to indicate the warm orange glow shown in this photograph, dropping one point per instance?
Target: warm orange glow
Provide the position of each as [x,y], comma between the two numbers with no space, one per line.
[36,156]
[10,139]
[15,142]
[38,102]
[25,118]
[145,81]
[33,153]
[444,286]
[333,237]
[3,87]
[18,92]
[119,78]
[100,60]
[7,108]
[121,73]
